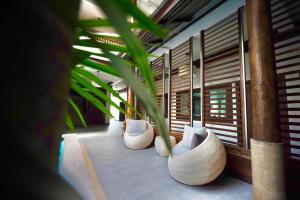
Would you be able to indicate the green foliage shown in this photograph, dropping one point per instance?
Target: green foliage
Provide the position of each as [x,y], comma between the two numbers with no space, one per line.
[117,12]
[69,121]
[76,109]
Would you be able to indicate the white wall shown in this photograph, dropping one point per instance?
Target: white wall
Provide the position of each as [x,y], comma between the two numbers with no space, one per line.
[115,112]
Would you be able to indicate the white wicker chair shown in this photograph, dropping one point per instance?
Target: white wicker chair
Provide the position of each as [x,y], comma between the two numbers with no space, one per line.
[141,141]
[201,165]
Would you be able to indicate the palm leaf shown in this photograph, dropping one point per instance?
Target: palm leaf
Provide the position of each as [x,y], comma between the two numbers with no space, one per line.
[102,84]
[80,55]
[111,47]
[128,7]
[93,89]
[76,109]
[101,67]
[80,33]
[118,18]
[144,96]
[69,121]
[117,12]
[89,97]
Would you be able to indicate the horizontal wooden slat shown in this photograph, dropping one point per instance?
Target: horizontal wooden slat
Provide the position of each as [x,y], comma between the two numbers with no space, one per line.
[229,28]
[288,139]
[221,60]
[181,120]
[180,86]
[218,39]
[224,124]
[289,94]
[227,114]
[223,120]
[217,26]
[289,87]
[221,72]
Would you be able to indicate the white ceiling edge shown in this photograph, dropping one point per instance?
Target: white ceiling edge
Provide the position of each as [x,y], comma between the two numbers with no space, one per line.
[88,10]
[103,76]
[119,85]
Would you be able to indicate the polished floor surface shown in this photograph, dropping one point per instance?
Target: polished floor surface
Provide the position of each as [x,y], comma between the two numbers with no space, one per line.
[142,174]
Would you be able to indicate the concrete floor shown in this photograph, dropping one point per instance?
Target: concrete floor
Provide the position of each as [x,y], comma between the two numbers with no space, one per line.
[142,174]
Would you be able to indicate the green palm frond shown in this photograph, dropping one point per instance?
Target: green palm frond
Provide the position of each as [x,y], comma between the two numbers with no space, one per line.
[76,109]
[117,12]
[69,121]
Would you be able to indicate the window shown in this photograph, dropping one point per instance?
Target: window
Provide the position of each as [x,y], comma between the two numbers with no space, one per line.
[166,106]
[221,102]
[182,99]
[196,105]
[218,103]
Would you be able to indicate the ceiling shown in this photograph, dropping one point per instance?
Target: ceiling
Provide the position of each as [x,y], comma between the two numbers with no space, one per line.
[88,10]
[173,15]
[180,14]
[149,6]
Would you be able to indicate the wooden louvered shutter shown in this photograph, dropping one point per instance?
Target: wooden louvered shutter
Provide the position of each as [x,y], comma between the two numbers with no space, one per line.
[138,104]
[180,76]
[286,32]
[222,80]
[157,67]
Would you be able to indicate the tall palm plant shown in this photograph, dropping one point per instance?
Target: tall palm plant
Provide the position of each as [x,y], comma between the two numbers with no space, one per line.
[38,77]
[117,12]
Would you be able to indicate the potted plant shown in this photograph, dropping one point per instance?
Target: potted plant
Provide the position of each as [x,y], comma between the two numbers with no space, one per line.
[39,76]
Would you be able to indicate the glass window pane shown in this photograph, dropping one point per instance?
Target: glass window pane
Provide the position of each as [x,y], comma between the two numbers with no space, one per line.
[218,103]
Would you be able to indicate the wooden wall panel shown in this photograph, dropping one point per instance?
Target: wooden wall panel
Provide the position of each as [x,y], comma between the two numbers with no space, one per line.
[286,37]
[238,162]
[180,87]
[158,69]
[158,66]
[222,79]
[286,32]
[138,105]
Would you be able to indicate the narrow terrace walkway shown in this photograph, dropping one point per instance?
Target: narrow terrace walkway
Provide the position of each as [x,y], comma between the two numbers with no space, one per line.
[142,174]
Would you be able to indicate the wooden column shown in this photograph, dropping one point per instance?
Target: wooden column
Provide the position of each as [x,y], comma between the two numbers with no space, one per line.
[130,101]
[130,94]
[263,75]
[202,76]
[266,153]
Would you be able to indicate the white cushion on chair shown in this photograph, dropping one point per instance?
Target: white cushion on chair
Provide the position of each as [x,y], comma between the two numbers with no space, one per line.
[190,138]
[136,127]
[140,141]
[179,150]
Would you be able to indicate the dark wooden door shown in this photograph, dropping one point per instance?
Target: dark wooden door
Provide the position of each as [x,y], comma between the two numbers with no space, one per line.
[121,115]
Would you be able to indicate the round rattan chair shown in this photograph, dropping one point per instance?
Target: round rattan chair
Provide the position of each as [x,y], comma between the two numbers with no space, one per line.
[139,141]
[200,165]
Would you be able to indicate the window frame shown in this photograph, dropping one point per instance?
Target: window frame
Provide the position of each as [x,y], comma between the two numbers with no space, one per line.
[228,118]
[180,95]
